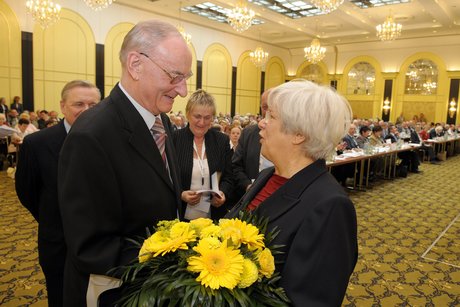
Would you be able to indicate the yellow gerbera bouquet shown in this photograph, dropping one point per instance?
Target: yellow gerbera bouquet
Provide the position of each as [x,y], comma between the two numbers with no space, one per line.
[202,263]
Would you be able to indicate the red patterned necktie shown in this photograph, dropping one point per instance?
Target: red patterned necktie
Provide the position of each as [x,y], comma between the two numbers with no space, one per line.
[159,135]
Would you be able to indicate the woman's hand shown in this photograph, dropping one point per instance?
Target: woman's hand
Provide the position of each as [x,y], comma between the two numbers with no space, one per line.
[190,197]
[218,200]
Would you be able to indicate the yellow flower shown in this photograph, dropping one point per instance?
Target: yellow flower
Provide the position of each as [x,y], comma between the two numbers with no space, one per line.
[239,232]
[163,242]
[199,224]
[250,274]
[221,267]
[211,231]
[208,244]
[266,263]
[151,245]
[166,225]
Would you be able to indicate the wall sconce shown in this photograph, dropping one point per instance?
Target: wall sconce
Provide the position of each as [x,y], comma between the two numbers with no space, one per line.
[386,106]
[452,108]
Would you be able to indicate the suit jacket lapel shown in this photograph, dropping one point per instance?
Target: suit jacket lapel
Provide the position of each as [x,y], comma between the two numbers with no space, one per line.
[139,135]
[288,195]
[57,139]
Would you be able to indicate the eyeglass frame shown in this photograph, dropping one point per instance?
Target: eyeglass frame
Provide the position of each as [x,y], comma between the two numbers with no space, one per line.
[176,78]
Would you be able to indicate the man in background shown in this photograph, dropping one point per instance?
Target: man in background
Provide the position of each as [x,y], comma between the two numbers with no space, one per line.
[36,183]
[117,169]
[247,160]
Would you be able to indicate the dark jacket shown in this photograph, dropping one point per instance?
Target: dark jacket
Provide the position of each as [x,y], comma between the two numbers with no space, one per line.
[318,229]
[112,185]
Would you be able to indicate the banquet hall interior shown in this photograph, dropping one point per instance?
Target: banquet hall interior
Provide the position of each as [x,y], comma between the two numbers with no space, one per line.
[388,58]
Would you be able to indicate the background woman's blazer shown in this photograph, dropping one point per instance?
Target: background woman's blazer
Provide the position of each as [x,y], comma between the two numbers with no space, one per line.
[318,228]
[219,157]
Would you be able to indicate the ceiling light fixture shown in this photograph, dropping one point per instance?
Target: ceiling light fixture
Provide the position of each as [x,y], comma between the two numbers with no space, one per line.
[45,12]
[240,18]
[315,53]
[327,6]
[187,37]
[98,4]
[389,30]
[259,57]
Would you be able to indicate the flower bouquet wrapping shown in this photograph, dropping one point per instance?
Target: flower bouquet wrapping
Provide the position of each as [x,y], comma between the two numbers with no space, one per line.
[202,263]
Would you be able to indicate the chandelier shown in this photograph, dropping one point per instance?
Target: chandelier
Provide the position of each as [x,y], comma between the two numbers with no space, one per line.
[315,52]
[240,18]
[98,4]
[44,12]
[452,108]
[187,37]
[386,106]
[327,6]
[389,30]
[258,57]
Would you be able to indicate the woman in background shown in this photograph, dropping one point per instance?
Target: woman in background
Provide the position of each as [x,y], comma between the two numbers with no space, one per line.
[315,217]
[205,160]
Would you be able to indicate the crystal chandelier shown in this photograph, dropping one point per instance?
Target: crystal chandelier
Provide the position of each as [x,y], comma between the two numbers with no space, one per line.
[389,30]
[315,52]
[258,57]
[187,37]
[327,6]
[44,12]
[98,4]
[240,18]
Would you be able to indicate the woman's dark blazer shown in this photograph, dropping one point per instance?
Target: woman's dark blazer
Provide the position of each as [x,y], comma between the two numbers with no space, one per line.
[317,223]
[219,157]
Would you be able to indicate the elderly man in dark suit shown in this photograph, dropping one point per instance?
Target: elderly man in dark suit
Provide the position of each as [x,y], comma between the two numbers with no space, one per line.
[247,161]
[36,183]
[117,169]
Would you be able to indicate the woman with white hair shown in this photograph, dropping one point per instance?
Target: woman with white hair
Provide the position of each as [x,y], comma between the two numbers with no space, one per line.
[315,217]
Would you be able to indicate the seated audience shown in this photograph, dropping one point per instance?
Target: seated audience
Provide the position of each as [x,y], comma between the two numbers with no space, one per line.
[409,159]
[363,138]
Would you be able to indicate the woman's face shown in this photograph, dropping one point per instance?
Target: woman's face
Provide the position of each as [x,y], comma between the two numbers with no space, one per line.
[274,142]
[235,134]
[200,119]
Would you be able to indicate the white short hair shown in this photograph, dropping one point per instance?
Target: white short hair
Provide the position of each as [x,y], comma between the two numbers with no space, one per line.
[317,112]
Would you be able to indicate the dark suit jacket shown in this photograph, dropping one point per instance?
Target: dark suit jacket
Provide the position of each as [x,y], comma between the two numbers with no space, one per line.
[18,107]
[246,158]
[219,157]
[318,228]
[392,137]
[4,109]
[351,142]
[36,186]
[112,185]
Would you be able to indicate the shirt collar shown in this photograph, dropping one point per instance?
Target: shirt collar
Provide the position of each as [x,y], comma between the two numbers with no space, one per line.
[148,117]
[67,126]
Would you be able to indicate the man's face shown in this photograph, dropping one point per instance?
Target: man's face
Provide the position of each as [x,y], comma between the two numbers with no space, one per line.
[155,90]
[23,127]
[352,129]
[78,100]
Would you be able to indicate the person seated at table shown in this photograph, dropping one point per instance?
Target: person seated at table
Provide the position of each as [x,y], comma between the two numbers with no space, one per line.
[423,131]
[376,138]
[409,159]
[363,138]
[315,218]
[349,138]
[416,139]
[437,132]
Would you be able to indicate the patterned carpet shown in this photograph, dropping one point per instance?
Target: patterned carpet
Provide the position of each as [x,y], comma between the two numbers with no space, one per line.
[409,243]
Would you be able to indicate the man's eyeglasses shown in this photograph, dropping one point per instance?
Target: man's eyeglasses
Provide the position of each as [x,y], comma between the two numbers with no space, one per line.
[175,78]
